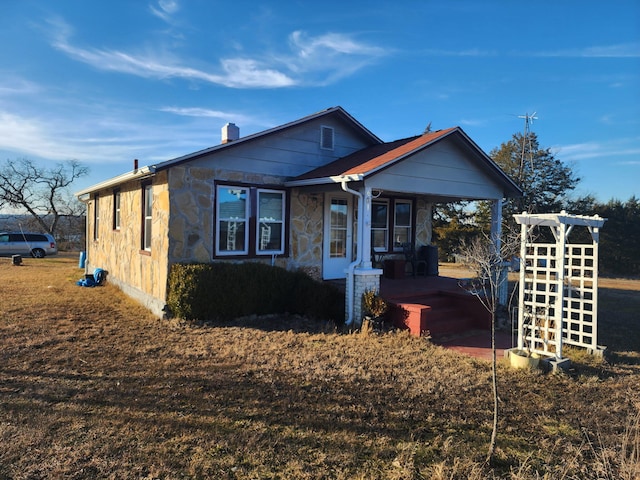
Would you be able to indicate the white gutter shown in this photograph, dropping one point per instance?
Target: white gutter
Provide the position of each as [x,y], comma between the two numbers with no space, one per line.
[350,276]
[125,177]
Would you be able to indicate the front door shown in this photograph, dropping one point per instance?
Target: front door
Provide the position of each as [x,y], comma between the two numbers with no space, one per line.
[338,236]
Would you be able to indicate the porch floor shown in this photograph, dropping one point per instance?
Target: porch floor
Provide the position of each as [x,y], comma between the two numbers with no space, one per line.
[472,342]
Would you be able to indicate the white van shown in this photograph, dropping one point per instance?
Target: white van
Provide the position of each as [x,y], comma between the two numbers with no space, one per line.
[37,245]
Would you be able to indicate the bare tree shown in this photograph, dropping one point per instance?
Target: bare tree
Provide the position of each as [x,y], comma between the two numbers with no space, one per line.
[41,192]
[488,255]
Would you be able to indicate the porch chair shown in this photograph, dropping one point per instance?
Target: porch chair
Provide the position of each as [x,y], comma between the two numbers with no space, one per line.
[418,266]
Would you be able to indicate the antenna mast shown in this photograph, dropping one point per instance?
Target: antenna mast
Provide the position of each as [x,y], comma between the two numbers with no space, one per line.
[528,121]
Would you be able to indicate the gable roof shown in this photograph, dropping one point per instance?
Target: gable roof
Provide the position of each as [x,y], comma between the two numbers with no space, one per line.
[371,160]
[335,111]
[152,169]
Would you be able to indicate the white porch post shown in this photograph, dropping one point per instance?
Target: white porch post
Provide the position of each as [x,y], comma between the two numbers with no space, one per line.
[365,276]
[524,233]
[365,230]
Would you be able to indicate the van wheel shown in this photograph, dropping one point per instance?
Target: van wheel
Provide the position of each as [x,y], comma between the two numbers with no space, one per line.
[37,253]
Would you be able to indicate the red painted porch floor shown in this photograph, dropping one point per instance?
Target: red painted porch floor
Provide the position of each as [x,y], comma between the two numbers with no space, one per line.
[475,343]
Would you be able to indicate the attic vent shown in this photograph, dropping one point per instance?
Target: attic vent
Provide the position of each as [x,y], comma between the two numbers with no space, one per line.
[326,138]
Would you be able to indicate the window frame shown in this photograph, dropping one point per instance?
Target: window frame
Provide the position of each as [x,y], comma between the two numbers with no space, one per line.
[96,217]
[147,217]
[391,203]
[246,220]
[329,130]
[397,246]
[117,199]
[387,203]
[282,222]
[252,230]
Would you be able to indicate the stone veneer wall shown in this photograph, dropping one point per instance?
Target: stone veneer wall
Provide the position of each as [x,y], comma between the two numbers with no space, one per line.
[306,232]
[192,228]
[141,274]
[424,220]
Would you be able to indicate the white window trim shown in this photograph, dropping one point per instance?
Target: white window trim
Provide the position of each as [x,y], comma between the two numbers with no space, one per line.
[386,228]
[96,217]
[395,221]
[231,253]
[282,222]
[117,209]
[147,192]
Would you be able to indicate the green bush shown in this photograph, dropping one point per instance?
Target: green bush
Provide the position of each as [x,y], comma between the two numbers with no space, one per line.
[223,291]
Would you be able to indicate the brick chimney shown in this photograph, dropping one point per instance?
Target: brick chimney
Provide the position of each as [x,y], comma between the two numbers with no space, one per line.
[230,132]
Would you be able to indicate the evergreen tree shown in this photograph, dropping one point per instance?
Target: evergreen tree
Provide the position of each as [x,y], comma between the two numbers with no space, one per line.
[545,180]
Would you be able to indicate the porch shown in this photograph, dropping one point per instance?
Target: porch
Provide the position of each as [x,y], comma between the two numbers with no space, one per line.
[439,307]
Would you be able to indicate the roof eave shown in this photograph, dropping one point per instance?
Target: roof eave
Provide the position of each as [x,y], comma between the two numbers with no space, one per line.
[120,179]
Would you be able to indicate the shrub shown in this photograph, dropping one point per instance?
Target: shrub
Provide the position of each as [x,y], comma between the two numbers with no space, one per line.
[223,291]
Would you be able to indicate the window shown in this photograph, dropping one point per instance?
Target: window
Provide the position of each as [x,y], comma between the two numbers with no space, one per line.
[250,221]
[232,212]
[391,224]
[270,231]
[147,211]
[326,138]
[380,226]
[116,210]
[402,223]
[96,217]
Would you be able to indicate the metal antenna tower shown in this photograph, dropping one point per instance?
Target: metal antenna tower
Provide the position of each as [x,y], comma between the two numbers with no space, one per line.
[528,121]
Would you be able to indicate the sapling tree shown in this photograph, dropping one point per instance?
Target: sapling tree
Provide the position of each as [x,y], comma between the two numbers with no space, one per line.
[488,255]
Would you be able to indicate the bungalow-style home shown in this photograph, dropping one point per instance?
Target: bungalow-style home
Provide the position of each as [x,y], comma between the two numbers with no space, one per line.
[322,194]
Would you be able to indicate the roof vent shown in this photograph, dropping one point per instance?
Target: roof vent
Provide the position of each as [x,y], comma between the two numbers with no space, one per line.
[230,132]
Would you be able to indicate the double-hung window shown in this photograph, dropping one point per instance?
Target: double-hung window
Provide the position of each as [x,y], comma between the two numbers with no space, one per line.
[147,218]
[402,223]
[270,231]
[380,226]
[116,210]
[250,221]
[96,217]
[232,213]
[391,224]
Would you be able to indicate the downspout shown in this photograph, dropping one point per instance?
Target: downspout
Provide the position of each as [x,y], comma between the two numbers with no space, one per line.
[350,276]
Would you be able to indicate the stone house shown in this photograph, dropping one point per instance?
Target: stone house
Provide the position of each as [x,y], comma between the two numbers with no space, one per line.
[321,193]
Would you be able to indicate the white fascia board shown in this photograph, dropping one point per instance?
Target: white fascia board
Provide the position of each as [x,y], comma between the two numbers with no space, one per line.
[310,182]
[112,182]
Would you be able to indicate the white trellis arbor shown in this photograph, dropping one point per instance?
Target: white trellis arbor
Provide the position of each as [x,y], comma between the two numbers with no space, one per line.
[558,301]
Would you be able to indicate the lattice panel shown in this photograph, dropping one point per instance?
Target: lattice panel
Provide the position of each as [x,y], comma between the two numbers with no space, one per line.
[541,286]
[580,296]
[559,285]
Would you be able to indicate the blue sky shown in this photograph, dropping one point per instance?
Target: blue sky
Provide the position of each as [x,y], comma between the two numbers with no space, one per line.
[107,82]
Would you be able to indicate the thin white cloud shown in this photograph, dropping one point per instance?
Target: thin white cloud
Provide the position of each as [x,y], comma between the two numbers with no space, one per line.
[469,52]
[327,58]
[207,113]
[16,86]
[165,9]
[590,150]
[622,50]
[313,60]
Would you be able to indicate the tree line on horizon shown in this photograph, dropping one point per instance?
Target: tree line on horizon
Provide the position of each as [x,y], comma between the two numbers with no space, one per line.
[44,196]
[547,184]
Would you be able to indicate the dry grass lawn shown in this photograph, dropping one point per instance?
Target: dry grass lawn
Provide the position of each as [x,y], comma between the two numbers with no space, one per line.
[92,387]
